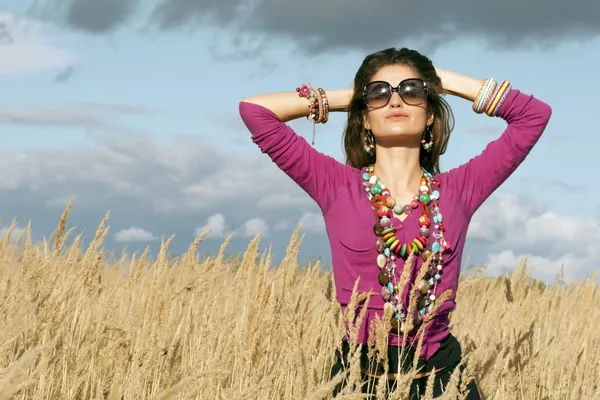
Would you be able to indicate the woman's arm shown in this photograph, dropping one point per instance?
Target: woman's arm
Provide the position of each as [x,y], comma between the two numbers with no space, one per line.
[527,118]
[459,85]
[318,175]
[288,106]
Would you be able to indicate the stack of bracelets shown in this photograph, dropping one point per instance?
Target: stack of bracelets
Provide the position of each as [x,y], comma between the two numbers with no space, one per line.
[318,105]
[491,96]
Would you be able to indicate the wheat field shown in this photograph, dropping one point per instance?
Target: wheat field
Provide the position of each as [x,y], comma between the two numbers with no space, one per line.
[75,325]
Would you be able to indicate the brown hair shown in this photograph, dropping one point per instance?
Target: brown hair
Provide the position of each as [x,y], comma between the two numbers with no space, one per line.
[443,118]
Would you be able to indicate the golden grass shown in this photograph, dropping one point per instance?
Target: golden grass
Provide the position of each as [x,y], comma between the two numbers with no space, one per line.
[74,326]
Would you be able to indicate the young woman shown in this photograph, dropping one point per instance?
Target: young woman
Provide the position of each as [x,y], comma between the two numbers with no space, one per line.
[390,203]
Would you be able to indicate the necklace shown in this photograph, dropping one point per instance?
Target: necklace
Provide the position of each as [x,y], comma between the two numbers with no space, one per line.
[390,248]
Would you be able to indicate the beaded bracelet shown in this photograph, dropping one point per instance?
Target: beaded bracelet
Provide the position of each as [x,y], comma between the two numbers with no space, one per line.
[310,94]
[318,105]
[325,106]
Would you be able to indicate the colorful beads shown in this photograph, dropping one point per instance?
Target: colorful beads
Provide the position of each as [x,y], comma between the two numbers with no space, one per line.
[387,231]
[377,201]
[403,250]
[383,211]
[389,246]
[385,222]
[377,229]
[390,202]
[383,278]
[423,287]
[385,293]
[426,254]
[414,247]
[381,261]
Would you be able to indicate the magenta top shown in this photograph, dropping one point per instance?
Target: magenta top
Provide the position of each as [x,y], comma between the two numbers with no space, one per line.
[339,192]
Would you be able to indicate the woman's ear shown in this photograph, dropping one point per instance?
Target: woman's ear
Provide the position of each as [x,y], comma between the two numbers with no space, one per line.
[430,119]
[366,123]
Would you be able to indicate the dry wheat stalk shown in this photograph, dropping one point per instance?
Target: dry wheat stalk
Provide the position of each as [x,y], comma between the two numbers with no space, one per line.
[240,328]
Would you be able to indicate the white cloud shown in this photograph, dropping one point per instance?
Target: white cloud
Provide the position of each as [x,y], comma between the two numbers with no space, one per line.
[256,226]
[24,48]
[281,225]
[545,269]
[517,230]
[216,224]
[312,222]
[183,177]
[14,234]
[87,115]
[134,234]
[284,201]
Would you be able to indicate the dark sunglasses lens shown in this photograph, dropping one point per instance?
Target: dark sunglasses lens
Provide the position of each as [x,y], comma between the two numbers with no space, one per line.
[413,92]
[378,94]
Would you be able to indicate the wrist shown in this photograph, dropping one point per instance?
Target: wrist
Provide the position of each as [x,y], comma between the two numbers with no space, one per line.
[339,99]
[459,85]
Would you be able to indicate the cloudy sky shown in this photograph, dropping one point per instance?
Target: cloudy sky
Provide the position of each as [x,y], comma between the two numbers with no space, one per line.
[131,107]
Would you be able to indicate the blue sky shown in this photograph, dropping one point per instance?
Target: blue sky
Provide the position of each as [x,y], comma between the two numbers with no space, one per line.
[147,126]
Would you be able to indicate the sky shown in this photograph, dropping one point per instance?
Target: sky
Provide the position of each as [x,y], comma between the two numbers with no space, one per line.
[132,107]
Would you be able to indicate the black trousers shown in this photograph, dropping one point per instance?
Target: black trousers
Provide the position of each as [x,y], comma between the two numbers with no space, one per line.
[449,355]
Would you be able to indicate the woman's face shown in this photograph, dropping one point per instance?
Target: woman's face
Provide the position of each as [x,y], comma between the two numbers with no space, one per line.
[397,123]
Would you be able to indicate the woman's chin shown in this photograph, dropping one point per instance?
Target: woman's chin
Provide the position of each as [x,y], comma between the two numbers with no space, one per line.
[398,134]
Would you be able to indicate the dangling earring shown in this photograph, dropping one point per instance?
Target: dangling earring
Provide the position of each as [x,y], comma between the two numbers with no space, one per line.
[369,142]
[427,145]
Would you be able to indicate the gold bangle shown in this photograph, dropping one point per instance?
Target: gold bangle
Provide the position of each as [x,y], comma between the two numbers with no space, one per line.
[499,94]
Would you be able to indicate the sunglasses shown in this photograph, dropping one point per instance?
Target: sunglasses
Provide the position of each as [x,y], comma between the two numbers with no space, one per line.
[412,91]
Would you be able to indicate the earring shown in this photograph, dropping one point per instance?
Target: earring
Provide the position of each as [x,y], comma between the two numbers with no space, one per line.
[427,145]
[369,142]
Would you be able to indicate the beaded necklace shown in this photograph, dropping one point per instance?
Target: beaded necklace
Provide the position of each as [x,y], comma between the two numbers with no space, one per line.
[390,248]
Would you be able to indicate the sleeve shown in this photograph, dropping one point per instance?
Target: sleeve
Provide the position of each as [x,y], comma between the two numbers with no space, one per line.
[477,179]
[317,174]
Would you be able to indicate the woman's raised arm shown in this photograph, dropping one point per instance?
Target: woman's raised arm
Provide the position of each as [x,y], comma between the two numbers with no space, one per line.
[527,118]
[317,174]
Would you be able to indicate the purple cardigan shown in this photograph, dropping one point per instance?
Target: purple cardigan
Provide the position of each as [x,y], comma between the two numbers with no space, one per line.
[338,190]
